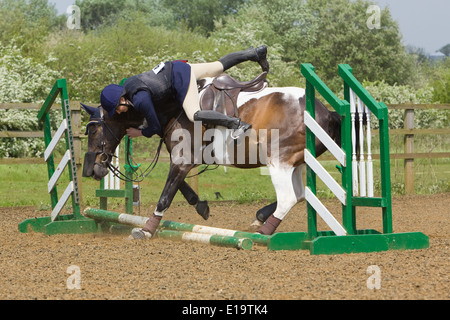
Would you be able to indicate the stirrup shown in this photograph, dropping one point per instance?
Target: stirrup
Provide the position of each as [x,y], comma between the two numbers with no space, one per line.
[240,131]
[236,133]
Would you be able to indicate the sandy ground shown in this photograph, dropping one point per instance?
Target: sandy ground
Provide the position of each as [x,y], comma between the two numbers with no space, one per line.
[35,266]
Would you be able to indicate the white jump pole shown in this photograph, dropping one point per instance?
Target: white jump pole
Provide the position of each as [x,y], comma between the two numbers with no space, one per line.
[369,156]
[354,161]
[362,163]
[111,181]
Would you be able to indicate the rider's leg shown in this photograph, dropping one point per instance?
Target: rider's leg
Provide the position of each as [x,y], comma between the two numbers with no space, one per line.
[191,101]
[193,112]
[258,55]
[204,70]
[212,69]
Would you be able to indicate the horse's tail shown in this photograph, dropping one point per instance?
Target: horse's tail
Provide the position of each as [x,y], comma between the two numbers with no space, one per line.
[335,127]
[330,121]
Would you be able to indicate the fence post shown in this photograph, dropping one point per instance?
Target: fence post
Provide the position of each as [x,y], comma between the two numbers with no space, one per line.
[75,111]
[409,149]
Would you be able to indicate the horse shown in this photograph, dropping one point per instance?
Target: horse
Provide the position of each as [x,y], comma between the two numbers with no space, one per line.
[277,118]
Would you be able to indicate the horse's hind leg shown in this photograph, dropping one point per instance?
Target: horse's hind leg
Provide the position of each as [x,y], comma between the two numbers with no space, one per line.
[289,188]
[264,213]
[193,199]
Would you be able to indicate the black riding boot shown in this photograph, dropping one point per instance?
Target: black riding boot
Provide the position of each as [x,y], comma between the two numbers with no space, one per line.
[219,119]
[258,55]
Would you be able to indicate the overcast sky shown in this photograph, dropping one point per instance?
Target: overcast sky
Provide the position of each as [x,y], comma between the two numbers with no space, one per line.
[423,23]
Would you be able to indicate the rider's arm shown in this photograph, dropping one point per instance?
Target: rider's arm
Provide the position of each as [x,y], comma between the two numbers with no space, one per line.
[143,104]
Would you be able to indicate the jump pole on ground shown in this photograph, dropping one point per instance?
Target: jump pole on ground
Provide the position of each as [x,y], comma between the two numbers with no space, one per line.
[181,231]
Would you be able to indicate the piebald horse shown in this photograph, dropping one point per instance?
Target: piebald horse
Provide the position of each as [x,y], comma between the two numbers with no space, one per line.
[277,119]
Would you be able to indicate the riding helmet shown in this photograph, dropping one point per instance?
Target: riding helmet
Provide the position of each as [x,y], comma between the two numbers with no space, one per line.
[110,98]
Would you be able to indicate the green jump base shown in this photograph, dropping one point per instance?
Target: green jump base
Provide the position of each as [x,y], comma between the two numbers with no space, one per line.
[65,224]
[365,241]
[326,242]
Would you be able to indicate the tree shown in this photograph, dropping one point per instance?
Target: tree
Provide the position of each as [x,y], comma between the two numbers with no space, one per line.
[288,28]
[199,15]
[419,53]
[26,23]
[325,33]
[441,83]
[374,54]
[445,50]
[105,13]
[96,12]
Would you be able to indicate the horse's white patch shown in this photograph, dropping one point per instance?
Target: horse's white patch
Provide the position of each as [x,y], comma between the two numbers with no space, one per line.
[290,92]
[288,184]
[244,97]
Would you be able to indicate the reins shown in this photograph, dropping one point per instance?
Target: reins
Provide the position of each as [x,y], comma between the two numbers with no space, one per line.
[129,159]
[131,163]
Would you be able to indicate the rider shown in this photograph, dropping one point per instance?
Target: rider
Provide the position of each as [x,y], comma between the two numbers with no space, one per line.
[158,94]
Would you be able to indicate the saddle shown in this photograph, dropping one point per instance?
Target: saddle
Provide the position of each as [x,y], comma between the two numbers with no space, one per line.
[222,94]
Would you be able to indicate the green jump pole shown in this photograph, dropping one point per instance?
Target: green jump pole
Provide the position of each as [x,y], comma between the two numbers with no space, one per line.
[183,231]
[215,240]
[179,226]
[110,216]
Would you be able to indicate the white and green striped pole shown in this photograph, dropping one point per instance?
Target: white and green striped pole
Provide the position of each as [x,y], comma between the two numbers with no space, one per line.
[179,226]
[179,231]
[110,216]
[211,239]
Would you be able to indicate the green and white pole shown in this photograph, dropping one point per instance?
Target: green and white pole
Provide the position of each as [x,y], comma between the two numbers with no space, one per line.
[182,231]
[211,239]
[179,226]
[110,216]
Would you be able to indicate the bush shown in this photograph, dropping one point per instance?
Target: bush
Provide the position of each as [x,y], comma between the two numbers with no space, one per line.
[22,80]
[403,94]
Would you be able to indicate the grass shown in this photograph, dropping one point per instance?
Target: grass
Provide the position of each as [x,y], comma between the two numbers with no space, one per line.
[26,184]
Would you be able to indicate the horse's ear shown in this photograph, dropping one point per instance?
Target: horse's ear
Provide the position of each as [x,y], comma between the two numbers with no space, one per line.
[93,112]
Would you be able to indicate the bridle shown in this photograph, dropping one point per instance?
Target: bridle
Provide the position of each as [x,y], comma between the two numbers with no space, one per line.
[106,157]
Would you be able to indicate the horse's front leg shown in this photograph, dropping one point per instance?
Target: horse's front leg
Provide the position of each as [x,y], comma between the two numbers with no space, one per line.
[177,173]
[193,199]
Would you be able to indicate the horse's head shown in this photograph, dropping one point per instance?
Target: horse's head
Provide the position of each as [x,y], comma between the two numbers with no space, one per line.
[104,135]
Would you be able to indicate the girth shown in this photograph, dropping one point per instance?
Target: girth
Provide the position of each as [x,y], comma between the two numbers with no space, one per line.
[222,94]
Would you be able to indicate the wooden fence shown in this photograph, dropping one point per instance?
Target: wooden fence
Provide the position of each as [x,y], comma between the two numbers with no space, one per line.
[408,132]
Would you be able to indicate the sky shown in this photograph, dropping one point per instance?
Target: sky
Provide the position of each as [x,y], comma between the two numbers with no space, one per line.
[423,23]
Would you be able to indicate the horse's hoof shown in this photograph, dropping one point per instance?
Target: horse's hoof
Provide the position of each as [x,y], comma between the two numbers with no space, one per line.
[269,227]
[202,209]
[139,234]
[256,224]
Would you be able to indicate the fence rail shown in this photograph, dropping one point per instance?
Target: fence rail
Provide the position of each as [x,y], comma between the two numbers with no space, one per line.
[75,110]
[409,133]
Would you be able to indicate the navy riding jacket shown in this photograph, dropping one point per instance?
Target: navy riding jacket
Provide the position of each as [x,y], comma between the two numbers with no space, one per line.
[143,103]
